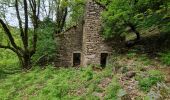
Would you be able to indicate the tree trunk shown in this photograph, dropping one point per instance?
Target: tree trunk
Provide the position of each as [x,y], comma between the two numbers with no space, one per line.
[25,61]
[24,53]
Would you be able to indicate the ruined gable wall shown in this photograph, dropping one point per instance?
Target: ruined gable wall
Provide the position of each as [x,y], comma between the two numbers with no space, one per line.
[93,43]
[68,42]
[84,39]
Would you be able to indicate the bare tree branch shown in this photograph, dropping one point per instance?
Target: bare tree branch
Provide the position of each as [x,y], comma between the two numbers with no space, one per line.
[35,18]
[38,13]
[31,4]
[26,23]
[20,22]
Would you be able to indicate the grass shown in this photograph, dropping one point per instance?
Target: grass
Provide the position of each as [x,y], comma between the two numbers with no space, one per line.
[165,58]
[52,83]
[149,79]
[49,83]
[112,90]
[72,83]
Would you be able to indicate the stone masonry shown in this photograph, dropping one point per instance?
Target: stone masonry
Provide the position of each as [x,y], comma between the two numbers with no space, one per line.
[84,39]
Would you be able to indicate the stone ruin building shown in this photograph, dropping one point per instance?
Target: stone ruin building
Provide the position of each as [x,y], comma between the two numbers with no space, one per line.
[83,45]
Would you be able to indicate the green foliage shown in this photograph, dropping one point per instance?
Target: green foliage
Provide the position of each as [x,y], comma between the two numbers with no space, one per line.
[46,43]
[131,54]
[165,58]
[39,82]
[114,18]
[88,74]
[8,58]
[14,31]
[9,62]
[141,13]
[112,91]
[77,9]
[51,83]
[149,80]
[145,60]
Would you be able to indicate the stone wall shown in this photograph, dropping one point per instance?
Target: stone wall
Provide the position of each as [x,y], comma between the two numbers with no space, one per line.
[93,43]
[69,42]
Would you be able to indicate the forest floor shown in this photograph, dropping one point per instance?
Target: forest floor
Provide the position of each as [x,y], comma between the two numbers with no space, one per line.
[167,73]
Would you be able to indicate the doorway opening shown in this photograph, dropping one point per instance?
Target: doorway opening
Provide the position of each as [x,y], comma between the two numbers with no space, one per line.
[103,59]
[76,59]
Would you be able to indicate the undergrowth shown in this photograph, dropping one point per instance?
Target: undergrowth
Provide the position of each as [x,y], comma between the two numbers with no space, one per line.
[149,79]
[52,83]
[56,83]
[112,90]
[165,58]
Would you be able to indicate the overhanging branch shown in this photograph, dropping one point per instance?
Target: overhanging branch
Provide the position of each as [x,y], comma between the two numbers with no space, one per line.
[9,35]
[10,48]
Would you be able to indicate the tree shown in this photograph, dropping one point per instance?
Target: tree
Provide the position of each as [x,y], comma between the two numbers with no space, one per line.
[46,48]
[122,16]
[61,14]
[25,45]
[77,9]
[118,16]
[26,50]
[68,12]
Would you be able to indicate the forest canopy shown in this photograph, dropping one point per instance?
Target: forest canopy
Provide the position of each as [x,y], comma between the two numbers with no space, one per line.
[134,14]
